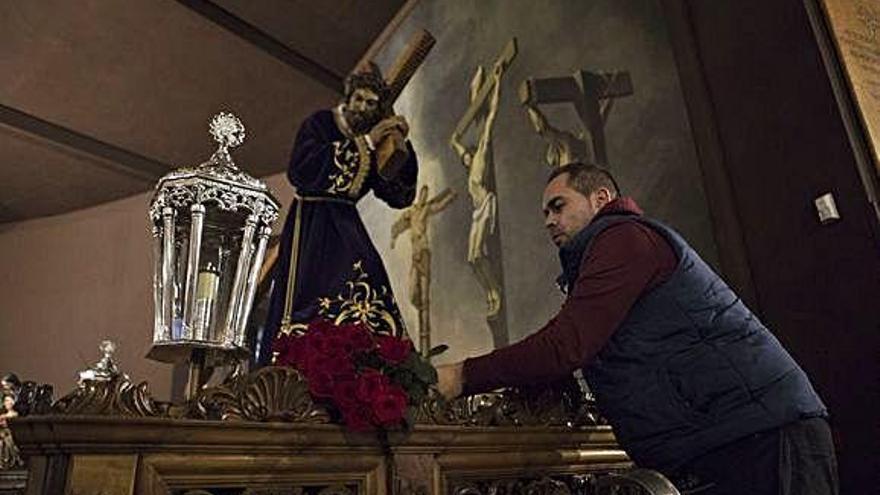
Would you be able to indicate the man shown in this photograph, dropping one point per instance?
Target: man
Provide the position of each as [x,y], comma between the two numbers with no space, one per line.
[693,384]
[478,161]
[327,265]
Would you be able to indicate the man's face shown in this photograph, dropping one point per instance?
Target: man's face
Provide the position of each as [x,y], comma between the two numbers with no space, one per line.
[362,110]
[567,211]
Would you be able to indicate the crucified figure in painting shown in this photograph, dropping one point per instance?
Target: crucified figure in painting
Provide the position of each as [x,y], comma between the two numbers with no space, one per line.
[563,146]
[592,94]
[415,219]
[478,161]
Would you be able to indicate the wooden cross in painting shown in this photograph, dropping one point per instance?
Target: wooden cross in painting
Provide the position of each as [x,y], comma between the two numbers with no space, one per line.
[591,93]
[479,101]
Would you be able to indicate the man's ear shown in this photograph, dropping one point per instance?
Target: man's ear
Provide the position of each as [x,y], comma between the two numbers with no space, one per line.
[603,196]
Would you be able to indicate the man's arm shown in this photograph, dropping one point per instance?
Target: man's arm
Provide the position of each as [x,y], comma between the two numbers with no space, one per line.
[400,226]
[624,261]
[494,100]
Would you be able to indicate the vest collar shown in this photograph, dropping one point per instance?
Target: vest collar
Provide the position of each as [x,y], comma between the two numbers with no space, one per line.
[572,253]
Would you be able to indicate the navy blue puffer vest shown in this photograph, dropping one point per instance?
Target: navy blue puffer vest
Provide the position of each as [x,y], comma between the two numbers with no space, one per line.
[691,368]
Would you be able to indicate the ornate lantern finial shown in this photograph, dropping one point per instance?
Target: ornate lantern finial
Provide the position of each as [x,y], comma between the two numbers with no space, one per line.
[229,132]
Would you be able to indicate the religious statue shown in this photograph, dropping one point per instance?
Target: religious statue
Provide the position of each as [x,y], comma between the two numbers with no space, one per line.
[415,219]
[10,384]
[9,455]
[105,369]
[327,265]
[478,161]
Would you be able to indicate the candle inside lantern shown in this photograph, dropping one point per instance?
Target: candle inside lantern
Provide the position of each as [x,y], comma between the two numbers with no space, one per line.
[206,297]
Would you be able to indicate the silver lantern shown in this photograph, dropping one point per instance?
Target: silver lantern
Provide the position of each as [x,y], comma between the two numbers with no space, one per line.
[211,225]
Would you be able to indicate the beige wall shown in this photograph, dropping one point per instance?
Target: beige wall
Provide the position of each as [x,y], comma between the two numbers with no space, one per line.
[69,281]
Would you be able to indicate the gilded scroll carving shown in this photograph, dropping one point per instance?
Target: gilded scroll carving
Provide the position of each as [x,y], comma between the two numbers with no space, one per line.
[115,397]
[268,394]
[563,405]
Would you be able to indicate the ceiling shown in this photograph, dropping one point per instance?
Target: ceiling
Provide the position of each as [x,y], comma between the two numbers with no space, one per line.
[100,98]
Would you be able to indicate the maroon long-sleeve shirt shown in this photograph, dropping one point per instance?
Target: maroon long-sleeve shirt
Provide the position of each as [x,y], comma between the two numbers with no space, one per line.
[624,261]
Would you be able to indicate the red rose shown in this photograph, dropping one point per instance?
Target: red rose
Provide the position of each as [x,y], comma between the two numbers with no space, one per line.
[393,349]
[339,344]
[281,347]
[344,394]
[358,335]
[390,407]
[320,325]
[370,385]
[338,366]
[356,419]
[298,352]
[320,384]
[321,342]
[312,361]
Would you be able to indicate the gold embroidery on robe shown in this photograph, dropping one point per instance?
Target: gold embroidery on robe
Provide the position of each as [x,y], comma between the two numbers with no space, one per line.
[352,162]
[362,304]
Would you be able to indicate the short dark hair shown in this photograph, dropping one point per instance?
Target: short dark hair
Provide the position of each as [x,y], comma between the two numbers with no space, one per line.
[369,79]
[586,177]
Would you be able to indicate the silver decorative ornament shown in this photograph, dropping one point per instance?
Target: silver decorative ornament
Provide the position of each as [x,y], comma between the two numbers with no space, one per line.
[211,225]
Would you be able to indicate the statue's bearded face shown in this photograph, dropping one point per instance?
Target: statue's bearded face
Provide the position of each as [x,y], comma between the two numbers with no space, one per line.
[362,110]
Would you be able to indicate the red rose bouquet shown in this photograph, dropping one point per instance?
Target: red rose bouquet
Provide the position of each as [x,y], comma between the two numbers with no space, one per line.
[367,381]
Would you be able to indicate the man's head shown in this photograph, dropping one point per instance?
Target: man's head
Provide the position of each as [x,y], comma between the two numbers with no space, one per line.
[574,195]
[467,158]
[366,98]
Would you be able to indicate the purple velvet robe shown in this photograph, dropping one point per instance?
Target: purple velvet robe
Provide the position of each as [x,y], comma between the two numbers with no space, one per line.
[326,257]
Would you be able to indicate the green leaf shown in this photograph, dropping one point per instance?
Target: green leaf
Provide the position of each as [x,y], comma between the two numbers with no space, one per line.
[425,372]
[437,350]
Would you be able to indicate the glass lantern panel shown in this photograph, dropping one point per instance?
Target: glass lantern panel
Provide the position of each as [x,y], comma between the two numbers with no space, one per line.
[218,260]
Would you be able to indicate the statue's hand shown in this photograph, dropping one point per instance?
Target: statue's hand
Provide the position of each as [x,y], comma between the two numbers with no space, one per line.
[386,127]
[402,124]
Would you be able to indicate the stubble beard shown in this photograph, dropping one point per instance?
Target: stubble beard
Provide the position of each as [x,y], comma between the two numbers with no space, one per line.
[361,122]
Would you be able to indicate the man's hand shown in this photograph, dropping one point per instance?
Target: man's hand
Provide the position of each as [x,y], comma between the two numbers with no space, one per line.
[450,380]
[385,127]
